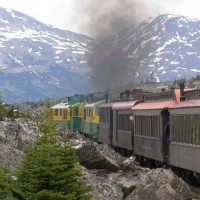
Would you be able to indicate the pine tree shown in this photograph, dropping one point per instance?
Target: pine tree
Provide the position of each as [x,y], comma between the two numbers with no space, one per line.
[6,183]
[3,111]
[49,169]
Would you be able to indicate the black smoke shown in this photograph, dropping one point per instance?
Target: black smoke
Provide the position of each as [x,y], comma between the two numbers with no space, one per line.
[110,72]
[111,69]
[104,18]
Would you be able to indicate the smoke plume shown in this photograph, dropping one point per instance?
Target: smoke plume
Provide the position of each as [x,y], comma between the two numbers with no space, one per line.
[105,18]
[111,69]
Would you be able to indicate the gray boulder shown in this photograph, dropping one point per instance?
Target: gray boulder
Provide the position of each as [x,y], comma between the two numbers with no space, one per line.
[102,187]
[14,136]
[9,156]
[160,184]
[92,157]
[17,133]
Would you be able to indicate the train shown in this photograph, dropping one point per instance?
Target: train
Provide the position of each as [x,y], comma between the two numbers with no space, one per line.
[136,124]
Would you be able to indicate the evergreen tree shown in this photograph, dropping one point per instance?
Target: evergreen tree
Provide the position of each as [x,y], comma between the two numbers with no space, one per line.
[3,111]
[6,183]
[49,169]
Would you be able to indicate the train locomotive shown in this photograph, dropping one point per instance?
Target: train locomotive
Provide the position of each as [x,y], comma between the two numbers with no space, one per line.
[137,125]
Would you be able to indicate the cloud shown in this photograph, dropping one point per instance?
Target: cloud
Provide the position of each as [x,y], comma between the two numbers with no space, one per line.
[100,19]
[92,17]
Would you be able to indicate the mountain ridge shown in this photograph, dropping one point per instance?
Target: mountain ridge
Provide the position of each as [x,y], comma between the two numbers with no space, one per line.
[31,49]
[39,61]
[160,43]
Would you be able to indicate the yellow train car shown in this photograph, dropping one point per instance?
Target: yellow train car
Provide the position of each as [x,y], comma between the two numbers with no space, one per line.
[62,114]
[91,119]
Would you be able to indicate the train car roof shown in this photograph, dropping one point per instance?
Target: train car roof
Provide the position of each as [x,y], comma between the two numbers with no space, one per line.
[191,106]
[125,105]
[60,105]
[157,102]
[152,108]
[106,105]
[154,105]
[187,104]
[89,105]
[75,104]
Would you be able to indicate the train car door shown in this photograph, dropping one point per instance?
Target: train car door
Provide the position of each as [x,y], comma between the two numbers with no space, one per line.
[111,125]
[165,136]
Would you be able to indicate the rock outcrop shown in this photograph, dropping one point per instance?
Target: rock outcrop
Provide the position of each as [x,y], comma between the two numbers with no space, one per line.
[14,136]
[113,177]
[93,156]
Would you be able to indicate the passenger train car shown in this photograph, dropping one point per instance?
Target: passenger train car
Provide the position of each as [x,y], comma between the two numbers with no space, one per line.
[151,117]
[69,115]
[184,147]
[80,113]
[137,125]
[105,123]
[115,127]
[91,119]
[77,111]
[61,113]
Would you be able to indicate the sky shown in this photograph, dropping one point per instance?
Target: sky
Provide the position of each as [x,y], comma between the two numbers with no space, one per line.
[100,18]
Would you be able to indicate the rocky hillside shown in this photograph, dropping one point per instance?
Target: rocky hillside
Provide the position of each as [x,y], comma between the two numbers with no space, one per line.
[110,175]
[14,136]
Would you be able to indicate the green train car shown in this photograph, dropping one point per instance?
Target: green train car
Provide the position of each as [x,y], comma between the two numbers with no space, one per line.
[77,117]
[91,119]
[61,115]
[80,113]
[69,115]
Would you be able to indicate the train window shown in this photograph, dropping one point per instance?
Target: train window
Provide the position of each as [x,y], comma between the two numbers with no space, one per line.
[91,112]
[101,115]
[81,110]
[64,114]
[75,111]
[159,96]
[60,112]
[84,113]
[70,109]
[124,122]
[194,94]
[97,111]
[56,112]
[185,129]
[152,128]
[104,115]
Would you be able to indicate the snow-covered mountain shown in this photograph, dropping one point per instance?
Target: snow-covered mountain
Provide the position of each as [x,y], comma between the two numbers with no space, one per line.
[164,48]
[40,61]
